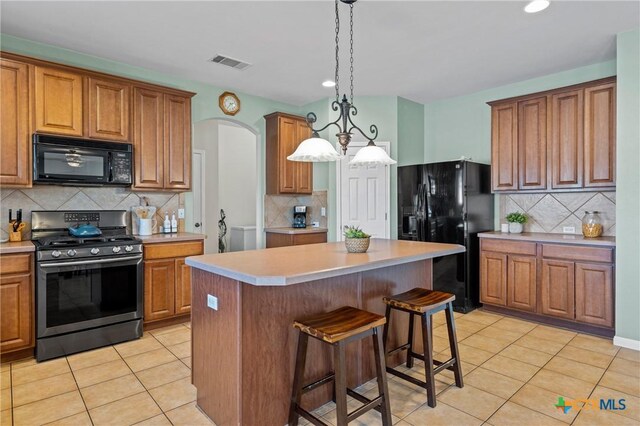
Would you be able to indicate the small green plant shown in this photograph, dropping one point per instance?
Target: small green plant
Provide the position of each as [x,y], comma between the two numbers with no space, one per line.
[517,217]
[354,232]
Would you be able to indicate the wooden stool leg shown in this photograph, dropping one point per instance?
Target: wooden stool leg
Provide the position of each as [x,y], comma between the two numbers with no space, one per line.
[340,382]
[410,341]
[428,360]
[298,378]
[381,372]
[385,332]
[453,344]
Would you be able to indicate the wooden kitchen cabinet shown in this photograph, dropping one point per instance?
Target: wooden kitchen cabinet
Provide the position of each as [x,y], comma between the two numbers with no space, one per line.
[148,138]
[16,302]
[58,101]
[284,134]
[558,140]
[557,288]
[177,142]
[278,239]
[594,293]
[167,279]
[108,109]
[15,141]
[522,283]
[493,278]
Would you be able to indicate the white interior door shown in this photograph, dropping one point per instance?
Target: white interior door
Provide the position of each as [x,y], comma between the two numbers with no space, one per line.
[198,187]
[363,194]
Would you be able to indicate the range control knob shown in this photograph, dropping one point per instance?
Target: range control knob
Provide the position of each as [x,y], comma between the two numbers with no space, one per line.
[128,249]
[95,250]
[71,252]
[116,249]
[56,253]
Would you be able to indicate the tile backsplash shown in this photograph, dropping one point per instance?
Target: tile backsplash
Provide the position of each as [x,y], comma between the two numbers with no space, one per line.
[551,212]
[278,209]
[52,197]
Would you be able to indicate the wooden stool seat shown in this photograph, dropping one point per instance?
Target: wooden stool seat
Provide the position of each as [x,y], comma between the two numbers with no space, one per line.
[338,328]
[419,300]
[424,303]
[339,324]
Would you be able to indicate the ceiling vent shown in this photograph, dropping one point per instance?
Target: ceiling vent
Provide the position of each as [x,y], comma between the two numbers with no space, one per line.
[230,62]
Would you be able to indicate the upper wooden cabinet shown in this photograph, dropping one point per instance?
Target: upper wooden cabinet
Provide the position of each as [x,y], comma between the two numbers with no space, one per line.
[284,134]
[108,109]
[41,96]
[558,140]
[58,101]
[15,144]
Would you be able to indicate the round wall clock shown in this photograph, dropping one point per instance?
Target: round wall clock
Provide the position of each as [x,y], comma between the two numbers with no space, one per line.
[229,103]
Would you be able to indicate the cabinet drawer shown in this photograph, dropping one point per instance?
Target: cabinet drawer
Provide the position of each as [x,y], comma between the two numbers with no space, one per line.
[172,250]
[589,254]
[301,239]
[15,264]
[510,247]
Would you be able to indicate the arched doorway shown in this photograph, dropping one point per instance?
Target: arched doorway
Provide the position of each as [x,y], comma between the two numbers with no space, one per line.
[229,179]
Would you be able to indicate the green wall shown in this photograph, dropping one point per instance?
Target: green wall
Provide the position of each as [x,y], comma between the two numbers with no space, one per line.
[628,187]
[410,132]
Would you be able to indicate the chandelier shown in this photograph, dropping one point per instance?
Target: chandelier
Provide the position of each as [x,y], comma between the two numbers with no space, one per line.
[316,149]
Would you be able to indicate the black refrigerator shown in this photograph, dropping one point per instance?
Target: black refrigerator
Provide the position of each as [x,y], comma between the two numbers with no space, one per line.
[448,202]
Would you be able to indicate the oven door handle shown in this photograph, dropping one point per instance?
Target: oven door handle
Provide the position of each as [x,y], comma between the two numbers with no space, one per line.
[89,262]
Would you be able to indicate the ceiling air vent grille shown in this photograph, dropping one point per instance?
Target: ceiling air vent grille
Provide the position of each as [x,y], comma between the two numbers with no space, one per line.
[230,62]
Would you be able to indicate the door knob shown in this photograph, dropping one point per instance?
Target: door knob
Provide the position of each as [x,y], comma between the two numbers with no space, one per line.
[197,225]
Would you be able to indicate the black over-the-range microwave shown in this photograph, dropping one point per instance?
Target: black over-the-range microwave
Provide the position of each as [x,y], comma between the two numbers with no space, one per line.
[62,160]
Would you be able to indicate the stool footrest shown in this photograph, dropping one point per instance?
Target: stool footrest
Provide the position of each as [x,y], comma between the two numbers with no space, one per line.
[398,349]
[309,416]
[372,404]
[446,365]
[406,377]
[355,395]
[311,386]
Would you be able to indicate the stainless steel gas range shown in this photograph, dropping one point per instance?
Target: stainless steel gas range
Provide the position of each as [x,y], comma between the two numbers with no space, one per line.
[88,288]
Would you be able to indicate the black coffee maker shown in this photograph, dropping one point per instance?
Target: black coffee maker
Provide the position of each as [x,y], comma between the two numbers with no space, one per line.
[299,216]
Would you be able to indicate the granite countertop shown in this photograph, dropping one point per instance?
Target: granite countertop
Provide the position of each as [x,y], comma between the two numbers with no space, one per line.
[543,237]
[307,230]
[274,267]
[170,238]
[18,247]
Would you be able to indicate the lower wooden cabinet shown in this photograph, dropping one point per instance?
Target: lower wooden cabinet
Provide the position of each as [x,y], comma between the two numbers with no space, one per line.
[167,279]
[275,239]
[16,302]
[569,282]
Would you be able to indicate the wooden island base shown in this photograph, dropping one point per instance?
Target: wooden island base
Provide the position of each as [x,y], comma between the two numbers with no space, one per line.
[244,353]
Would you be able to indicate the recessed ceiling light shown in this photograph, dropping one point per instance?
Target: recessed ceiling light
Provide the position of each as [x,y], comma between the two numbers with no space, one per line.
[329,83]
[536,6]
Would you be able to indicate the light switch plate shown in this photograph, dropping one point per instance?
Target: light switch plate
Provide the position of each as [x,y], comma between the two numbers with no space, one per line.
[212,302]
[180,213]
[568,229]
[323,211]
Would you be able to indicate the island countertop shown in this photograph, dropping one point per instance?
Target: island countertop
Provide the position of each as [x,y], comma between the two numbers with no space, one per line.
[298,264]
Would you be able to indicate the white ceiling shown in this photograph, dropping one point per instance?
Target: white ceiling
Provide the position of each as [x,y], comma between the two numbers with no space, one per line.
[421,50]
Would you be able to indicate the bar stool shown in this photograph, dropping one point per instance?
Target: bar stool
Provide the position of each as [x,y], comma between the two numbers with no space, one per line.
[338,328]
[425,303]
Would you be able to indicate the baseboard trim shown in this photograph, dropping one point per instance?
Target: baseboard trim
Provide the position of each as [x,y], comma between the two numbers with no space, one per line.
[626,343]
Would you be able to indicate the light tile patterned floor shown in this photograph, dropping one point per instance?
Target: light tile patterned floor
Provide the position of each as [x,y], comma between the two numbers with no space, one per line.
[514,372]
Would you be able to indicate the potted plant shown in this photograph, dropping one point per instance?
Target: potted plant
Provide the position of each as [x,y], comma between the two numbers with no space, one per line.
[516,220]
[356,240]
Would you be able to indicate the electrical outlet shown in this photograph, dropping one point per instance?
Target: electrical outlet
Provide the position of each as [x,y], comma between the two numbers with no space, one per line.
[568,229]
[180,213]
[323,211]
[212,302]
[315,224]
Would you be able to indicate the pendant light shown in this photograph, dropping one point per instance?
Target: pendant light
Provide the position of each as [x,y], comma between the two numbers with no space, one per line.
[316,149]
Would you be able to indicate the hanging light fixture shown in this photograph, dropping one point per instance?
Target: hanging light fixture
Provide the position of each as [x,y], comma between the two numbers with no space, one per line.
[316,149]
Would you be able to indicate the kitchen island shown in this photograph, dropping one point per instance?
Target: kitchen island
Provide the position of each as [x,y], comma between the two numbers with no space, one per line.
[244,304]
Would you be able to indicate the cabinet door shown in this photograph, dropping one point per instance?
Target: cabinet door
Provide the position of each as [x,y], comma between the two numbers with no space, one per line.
[15,165]
[521,283]
[567,118]
[287,143]
[594,294]
[600,135]
[304,170]
[504,147]
[557,289]
[159,289]
[493,278]
[532,143]
[148,139]
[177,142]
[15,309]
[109,109]
[183,287]
[58,102]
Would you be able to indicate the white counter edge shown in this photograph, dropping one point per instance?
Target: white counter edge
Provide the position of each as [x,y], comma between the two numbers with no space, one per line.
[560,239]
